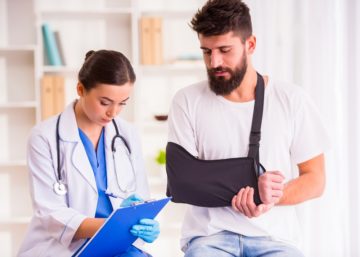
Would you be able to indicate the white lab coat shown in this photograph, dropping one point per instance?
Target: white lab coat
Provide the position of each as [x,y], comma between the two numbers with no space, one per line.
[56,218]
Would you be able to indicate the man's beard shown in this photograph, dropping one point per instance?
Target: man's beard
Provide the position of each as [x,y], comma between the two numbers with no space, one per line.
[221,86]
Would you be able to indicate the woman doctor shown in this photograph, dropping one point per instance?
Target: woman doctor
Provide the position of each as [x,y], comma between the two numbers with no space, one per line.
[86,162]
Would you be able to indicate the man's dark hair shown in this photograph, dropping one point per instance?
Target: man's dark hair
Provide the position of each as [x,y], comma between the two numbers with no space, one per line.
[218,17]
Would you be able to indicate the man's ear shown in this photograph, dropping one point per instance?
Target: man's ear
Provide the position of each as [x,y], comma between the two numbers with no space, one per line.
[80,89]
[250,44]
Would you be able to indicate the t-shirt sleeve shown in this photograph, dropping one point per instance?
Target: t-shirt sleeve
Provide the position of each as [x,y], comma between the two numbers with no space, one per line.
[310,136]
[181,130]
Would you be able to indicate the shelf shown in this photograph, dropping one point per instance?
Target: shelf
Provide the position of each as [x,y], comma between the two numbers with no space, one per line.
[82,30]
[15,125]
[19,48]
[61,69]
[15,220]
[17,79]
[15,163]
[85,14]
[170,14]
[188,66]
[155,125]
[25,104]
[19,109]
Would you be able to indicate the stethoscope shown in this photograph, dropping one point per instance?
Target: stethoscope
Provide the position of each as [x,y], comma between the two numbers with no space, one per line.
[60,187]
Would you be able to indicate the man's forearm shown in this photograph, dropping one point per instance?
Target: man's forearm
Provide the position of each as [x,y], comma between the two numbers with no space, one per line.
[310,184]
[302,189]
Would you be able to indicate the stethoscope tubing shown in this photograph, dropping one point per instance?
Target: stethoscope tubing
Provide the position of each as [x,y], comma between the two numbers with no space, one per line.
[59,178]
[59,186]
[117,135]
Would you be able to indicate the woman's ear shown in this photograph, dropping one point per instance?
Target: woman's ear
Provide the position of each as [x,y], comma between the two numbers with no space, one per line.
[250,44]
[80,89]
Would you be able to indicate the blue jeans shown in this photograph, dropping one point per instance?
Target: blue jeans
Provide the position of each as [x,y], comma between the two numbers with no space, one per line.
[228,244]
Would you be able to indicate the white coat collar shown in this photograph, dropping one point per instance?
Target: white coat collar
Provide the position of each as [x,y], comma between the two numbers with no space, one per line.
[68,128]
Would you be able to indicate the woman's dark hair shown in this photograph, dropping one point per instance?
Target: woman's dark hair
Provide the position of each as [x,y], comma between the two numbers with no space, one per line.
[218,17]
[107,67]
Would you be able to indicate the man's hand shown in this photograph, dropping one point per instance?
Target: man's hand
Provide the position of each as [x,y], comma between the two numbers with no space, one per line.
[271,187]
[244,202]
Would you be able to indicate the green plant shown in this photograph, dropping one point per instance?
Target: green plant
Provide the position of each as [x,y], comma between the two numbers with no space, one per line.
[161,157]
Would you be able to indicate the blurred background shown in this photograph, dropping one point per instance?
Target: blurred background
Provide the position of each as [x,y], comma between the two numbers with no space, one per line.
[315,44]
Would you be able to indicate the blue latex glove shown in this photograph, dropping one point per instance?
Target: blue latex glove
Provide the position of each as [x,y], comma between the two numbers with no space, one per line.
[147,229]
[131,200]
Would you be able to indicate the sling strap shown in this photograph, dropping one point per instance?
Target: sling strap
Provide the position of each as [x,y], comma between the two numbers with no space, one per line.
[255,134]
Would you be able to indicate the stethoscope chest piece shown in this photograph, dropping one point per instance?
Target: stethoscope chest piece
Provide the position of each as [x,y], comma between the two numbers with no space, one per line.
[60,188]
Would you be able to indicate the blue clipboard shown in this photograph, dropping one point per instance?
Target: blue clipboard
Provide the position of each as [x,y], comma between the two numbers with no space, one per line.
[114,235]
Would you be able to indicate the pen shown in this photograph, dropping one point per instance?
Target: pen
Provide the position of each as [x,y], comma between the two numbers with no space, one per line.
[113,195]
[141,202]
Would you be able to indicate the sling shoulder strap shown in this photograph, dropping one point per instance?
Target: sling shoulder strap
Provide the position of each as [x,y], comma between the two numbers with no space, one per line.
[255,134]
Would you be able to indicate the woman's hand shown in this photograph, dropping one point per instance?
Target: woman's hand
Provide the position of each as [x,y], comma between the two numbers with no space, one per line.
[147,229]
[131,200]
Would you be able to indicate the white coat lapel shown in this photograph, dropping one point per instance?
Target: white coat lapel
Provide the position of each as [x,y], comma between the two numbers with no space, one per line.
[81,163]
[68,131]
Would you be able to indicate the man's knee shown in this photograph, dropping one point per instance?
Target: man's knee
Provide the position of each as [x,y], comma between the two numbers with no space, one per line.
[209,246]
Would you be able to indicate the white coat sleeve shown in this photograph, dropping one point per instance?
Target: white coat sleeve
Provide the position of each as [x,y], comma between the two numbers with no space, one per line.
[56,218]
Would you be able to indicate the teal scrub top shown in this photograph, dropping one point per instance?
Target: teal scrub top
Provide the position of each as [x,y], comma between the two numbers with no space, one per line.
[98,164]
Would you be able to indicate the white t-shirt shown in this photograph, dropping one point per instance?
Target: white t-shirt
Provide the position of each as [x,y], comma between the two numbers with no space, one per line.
[211,127]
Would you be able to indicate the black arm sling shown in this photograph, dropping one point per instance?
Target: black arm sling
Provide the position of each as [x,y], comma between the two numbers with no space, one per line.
[213,183]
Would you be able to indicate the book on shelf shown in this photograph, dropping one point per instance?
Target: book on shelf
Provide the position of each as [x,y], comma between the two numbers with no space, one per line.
[157,40]
[60,47]
[52,95]
[51,47]
[151,35]
[47,97]
[59,94]
[146,42]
